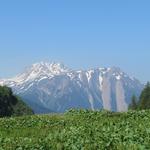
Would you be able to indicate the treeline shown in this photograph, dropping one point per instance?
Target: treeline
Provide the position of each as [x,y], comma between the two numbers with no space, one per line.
[12,105]
[143,102]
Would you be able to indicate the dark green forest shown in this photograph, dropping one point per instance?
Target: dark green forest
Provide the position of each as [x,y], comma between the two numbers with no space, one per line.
[12,105]
[143,102]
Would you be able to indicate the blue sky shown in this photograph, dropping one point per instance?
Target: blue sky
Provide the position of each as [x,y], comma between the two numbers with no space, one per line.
[79,33]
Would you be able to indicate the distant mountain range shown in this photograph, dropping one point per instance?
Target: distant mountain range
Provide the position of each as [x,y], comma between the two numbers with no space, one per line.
[48,87]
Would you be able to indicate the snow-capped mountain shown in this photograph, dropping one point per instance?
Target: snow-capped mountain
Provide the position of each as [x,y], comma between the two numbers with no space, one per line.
[54,87]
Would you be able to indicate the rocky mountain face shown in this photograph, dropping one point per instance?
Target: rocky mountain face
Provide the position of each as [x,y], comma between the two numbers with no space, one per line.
[53,87]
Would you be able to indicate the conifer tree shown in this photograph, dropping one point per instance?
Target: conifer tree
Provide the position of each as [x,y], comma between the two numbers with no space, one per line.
[144,102]
[133,104]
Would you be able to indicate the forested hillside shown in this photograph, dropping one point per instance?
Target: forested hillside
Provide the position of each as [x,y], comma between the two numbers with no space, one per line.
[11,105]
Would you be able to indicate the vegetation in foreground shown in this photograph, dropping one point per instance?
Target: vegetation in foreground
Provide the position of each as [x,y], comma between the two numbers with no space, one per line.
[77,130]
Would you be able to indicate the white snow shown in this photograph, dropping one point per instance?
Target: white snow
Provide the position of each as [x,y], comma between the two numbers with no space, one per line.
[108,69]
[80,76]
[42,78]
[100,82]
[70,75]
[89,74]
[118,77]
[30,85]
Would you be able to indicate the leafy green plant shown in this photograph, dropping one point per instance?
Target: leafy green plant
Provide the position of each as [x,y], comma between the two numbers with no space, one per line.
[77,130]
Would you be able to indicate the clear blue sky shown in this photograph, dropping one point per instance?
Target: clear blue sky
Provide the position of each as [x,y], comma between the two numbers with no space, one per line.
[79,33]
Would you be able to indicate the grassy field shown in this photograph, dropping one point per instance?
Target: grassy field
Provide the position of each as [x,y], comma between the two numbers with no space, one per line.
[77,130]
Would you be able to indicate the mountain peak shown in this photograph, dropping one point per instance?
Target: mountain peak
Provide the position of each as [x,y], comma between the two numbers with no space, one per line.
[53,86]
[48,68]
[39,70]
[42,64]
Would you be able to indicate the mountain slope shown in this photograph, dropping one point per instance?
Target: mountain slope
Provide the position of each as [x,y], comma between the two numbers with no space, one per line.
[53,87]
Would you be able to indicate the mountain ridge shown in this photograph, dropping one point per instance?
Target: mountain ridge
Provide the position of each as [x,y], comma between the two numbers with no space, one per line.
[59,88]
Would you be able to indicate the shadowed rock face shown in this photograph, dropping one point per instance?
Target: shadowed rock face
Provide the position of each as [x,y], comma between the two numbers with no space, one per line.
[50,87]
